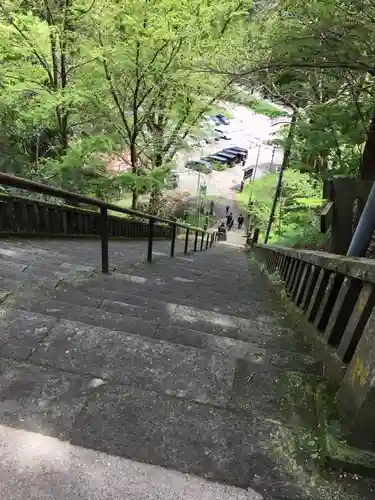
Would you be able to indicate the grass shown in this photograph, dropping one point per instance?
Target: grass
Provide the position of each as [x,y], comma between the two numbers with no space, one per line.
[257,105]
[296,221]
[191,218]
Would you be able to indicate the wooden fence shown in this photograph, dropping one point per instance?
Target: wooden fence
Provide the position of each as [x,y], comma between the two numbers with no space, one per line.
[346,199]
[336,295]
[27,217]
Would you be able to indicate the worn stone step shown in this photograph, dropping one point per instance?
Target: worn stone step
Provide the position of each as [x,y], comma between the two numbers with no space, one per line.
[135,360]
[210,442]
[123,421]
[194,295]
[119,478]
[173,322]
[88,315]
[137,295]
[22,331]
[22,262]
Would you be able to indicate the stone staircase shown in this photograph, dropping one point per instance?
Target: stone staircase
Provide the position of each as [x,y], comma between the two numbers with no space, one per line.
[187,365]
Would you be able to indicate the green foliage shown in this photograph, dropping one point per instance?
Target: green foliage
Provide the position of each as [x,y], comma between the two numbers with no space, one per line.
[82,81]
[260,106]
[296,218]
[317,57]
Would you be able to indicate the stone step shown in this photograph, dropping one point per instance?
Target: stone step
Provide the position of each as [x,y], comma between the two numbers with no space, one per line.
[90,316]
[118,478]
[22,331]
[210,442]
[132,293]
[134,360]
[24,261]
[40,274]
[179,290]
[123,421]
[234,336]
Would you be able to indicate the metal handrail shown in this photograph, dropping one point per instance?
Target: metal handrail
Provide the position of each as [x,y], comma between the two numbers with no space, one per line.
[37,187]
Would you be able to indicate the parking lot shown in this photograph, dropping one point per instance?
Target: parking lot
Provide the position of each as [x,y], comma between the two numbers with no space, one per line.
[246,129]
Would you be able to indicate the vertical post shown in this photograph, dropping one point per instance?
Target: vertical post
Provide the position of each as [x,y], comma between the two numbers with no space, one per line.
[195,241]
[174,227]
[198,198]
[207,240]
[212,240]
[150,238]
[104,238]
[287,151]
[186,241]
[255,235]
[202,240]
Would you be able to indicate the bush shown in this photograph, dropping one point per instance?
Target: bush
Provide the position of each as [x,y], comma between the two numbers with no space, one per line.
[296,220]
[257,105]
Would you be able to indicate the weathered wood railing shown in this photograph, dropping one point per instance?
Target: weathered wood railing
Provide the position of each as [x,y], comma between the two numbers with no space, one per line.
[26,217]
[336,294]
[29,217]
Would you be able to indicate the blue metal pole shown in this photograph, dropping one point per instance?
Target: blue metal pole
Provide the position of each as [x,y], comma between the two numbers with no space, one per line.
[365,228]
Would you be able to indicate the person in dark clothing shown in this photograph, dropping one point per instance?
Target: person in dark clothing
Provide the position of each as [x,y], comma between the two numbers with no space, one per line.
[229,219]
[240,221]
[231,224]
[221,228]
[227,210]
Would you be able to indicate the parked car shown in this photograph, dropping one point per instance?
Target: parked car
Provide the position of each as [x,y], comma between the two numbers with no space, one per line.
[237,148]
[217,157]
[202,166]
[222,119]
[174,179]
[222,135]
[240,154]
[231,156]
[215,120]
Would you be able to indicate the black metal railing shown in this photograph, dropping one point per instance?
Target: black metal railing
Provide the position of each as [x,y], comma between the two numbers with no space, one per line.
[22,215]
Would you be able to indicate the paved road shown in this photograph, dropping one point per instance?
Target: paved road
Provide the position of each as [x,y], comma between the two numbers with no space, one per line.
[247,130]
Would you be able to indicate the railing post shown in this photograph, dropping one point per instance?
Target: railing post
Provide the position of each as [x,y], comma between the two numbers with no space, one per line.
[173,242]
[196,241]
[150,238]
[104,238]
[255,235]
[212,239]
[186,241]
[202,240]
[207,240]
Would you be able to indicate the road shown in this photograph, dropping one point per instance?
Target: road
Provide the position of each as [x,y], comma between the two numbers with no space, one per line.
[246,129]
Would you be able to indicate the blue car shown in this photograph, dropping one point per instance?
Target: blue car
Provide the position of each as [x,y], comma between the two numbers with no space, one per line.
[222,119]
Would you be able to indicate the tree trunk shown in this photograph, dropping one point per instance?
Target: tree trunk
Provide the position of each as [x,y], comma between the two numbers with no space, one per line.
[367,165]
[134,164]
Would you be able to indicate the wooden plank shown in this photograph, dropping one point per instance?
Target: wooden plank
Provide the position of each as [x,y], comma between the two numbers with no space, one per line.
[302,283]
[342,220]
[328,190]
[330,295]
[297,280]
[360,375]
[326,217]
[363,307]
[341,311]
[317,295]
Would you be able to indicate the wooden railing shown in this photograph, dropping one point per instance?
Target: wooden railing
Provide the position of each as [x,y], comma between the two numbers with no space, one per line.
[336,294]
[26,217]
[19,216]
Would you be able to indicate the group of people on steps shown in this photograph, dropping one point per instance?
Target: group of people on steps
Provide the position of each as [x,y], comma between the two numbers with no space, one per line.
[230,221]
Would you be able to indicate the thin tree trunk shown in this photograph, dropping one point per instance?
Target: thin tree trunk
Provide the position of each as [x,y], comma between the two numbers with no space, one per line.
[367,165]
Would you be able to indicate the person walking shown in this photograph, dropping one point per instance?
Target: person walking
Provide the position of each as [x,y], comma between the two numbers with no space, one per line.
[231,224]
[240,221]
[229,219]
[227,210]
